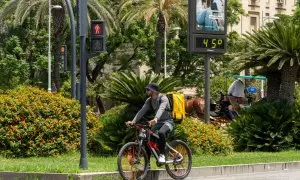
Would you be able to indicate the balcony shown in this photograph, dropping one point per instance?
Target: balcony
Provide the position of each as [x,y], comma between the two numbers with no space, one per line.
[280,6]
[254,5]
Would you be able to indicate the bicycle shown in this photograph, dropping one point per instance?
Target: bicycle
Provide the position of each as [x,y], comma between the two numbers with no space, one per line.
[133,162]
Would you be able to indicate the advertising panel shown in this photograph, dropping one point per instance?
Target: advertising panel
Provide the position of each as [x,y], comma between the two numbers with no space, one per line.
[210,16]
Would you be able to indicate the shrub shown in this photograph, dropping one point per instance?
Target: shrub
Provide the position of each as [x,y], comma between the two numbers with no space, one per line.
[114,133]
[218,84]
[13,72]
[34,122]
[266,126]
[130,88]
[203,138]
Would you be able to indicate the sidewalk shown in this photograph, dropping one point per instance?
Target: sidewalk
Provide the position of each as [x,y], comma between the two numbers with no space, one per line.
[157,174]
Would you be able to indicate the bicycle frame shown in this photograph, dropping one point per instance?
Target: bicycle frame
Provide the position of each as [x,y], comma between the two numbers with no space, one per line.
[145,130]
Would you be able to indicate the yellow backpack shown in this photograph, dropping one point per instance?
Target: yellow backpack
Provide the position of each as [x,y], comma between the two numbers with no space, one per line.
[177,104]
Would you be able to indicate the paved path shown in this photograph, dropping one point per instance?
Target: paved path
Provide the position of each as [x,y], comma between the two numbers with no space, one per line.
[292,174]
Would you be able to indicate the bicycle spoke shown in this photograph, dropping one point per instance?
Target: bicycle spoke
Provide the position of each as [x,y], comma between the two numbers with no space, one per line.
[132,162]
[181,161]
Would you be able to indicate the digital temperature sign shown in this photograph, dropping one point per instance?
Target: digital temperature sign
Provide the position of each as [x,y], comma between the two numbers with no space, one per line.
[211,43]
[204,43]
[207,33]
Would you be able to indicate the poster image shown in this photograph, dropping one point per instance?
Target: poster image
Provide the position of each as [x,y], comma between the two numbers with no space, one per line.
[210,15]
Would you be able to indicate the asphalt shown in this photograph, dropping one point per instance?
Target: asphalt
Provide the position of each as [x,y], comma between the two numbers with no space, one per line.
[207,171]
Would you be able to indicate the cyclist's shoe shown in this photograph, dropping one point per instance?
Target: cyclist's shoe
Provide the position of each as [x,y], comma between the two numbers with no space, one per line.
[161,158]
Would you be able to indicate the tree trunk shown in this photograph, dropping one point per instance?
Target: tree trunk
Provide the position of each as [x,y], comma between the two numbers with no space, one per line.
[160,28]
[288,79]
[58,28]
[247,81]
[273,84]
[100,105]
[158,51]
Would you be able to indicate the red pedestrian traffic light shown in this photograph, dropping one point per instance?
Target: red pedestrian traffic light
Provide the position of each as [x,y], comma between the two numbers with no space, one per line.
[98,36]
[97,29]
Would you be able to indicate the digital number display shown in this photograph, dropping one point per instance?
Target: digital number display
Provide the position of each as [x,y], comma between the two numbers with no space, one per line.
[210,43]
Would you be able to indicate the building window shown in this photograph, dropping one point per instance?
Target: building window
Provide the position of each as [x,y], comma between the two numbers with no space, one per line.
[253,23]
[281,1]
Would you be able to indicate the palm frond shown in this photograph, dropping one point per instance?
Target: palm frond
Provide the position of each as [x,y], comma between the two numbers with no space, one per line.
[130,88]
[273,44]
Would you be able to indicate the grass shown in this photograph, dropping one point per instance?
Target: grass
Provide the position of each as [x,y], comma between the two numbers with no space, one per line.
[70,163]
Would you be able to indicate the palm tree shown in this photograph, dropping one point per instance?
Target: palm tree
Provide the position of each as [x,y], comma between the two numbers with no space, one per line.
[130,88]
[164,10]
[276,47]
[21,10]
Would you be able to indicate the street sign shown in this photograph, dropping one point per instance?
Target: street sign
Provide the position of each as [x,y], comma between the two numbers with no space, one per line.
[207,26]
[98,36]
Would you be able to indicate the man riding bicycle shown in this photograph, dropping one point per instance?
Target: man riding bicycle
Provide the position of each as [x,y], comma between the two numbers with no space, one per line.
[162,123]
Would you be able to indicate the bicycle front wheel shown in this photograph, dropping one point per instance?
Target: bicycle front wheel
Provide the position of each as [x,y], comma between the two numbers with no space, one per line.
[132,161]
[181,166]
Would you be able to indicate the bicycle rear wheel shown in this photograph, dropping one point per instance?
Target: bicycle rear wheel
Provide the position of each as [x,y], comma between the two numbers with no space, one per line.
[132,161]
[179,169]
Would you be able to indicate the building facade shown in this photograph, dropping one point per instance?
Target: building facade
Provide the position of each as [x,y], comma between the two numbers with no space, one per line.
[260,12]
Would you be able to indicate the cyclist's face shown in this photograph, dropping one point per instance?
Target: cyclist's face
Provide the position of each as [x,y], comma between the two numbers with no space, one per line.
[149,92]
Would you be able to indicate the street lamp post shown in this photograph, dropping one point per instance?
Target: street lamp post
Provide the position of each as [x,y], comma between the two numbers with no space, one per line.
[73,39]
[49,42]
[177,29]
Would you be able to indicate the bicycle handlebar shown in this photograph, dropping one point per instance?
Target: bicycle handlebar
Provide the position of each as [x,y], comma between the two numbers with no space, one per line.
[138,126]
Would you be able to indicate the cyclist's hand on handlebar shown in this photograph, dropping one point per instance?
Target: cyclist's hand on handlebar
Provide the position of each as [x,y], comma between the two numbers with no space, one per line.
[152,122]
[129,123]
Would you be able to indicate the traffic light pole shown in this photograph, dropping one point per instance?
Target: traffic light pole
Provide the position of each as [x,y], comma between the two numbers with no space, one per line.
[73,39]
[83,34]
[83,132]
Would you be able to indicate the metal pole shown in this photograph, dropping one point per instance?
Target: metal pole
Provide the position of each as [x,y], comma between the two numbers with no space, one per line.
[165,57]
[49,47]
[241,24]
[73,39]
[83,33]
[83,140]
[77,90]
[207,88]
[262,89]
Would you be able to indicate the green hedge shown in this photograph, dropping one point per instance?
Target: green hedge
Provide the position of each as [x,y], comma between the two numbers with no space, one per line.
[203,138]
[34,122]
[267,126]
[114,133]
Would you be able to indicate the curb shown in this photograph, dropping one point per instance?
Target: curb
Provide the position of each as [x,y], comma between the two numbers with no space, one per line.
[160,174]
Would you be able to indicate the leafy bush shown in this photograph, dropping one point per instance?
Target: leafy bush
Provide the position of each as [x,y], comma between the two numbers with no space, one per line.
[203,138]
[34,122]
[114,133]
[218,84]
[297,93]
[130,88]
[13,72]
[266,126]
